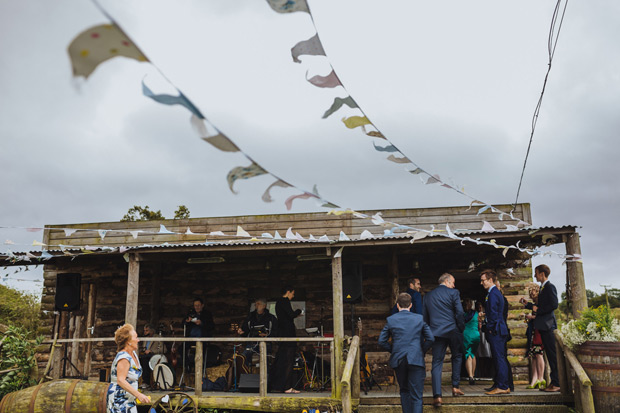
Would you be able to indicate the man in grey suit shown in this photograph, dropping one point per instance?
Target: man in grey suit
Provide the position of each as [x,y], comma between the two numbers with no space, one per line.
[443,312]
[411,338]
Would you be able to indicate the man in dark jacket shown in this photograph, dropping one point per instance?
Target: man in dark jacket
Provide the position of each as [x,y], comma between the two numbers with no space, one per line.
[511,385]
[259,323]
[444,314]
[416,298]
[497,330]
[544,321]
[282,377]
[411,337]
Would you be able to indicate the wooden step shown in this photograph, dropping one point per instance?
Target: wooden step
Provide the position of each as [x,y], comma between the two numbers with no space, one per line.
[469,408]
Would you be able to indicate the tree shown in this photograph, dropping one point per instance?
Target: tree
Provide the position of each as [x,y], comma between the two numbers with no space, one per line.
[182,212]
[138,213]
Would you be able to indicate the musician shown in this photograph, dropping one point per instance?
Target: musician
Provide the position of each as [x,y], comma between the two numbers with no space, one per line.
[259,323]
[149,349]
[199,322]
[282,378]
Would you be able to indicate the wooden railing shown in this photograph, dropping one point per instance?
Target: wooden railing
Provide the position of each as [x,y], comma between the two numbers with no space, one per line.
[584,402]
[199,346]
[350,385]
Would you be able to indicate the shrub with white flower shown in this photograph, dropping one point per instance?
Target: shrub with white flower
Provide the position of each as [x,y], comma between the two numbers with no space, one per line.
[595,324]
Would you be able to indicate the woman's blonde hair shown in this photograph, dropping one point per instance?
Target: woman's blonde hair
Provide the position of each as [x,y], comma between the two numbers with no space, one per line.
[533,289]
[122,336]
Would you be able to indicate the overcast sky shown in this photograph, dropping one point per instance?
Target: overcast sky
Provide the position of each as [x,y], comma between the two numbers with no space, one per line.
[453,84]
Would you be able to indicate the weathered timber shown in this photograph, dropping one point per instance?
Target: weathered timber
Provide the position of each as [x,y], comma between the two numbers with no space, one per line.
[338,323]
[574,269]
[133,282]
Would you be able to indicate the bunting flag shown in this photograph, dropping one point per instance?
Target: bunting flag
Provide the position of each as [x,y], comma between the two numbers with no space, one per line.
[395,159]
[290,199]
[96,45]
[389,148]
[433,180]
[217,139]
[338,102]
[241,172]
[366,234]
[312,47]
[267,196]
[288,6]
[329,81]
[102,233]
[172,100]
[164,230]
[338,253]
[355,121]
[241,232]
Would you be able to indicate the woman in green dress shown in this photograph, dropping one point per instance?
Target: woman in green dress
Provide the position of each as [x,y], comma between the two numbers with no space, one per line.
[471,338]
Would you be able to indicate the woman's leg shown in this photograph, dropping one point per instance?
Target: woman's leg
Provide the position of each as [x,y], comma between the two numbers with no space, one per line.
[469,367]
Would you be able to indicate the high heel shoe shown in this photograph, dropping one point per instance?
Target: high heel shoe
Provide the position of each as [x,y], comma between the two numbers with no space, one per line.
[542,384]
[472,381]
[533,386]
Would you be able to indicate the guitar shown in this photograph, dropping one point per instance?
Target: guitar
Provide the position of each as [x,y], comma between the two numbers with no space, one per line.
[174,357]
[236,364]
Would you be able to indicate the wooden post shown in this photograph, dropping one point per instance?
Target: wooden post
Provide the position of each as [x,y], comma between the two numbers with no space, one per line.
[75,347]
[393,270]
[332,368]
[355,378]
[198,368]
[263,369]
[133,281]
[576,278]
[338,324]
[90,323]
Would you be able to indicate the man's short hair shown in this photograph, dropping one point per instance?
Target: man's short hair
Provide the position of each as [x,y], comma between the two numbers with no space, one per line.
[285,289]
[404,300]
[198,299]
[444,277]
[544,269]
[261,300]
[489,274]
[149,326]
[411,281]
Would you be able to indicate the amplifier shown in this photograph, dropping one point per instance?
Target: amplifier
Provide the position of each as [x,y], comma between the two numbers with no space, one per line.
[249,383]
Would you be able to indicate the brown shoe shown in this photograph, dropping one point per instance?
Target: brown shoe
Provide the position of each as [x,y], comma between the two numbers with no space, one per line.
[437,402]
[551,389]
[498,391]
[457,392]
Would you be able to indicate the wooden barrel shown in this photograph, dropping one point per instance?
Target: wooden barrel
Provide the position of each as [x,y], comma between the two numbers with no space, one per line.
[601,361]
[58,396]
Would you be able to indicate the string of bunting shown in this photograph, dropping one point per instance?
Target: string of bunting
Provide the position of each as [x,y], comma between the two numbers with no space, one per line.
[100,43]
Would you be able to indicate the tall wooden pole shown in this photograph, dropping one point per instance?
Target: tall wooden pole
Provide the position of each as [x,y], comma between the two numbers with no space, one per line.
[576,278]
[90,324]
[393,270]
[338,324]
[133,281]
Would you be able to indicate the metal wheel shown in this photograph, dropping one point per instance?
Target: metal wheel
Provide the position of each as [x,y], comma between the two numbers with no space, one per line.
[176,402]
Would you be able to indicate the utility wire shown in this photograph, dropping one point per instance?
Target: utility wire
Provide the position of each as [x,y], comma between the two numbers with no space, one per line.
[552,43]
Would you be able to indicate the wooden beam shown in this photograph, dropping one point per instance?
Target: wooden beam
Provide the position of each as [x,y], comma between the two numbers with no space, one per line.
[338,317]
[133,282]
[90,325]
[262,389]
[576,278]
[394,273]
[156,295]
[198,369]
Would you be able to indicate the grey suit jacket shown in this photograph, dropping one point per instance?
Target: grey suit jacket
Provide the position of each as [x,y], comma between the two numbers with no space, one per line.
[443,311]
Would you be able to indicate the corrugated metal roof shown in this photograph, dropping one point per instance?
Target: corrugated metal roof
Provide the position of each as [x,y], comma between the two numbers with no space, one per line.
[247,242]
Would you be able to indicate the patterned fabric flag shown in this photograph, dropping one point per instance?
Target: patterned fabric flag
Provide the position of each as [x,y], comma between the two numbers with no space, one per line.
[331,80]
[338,102]
[267,196]
[244,172]
[312,47]
[288,6]
[98,44]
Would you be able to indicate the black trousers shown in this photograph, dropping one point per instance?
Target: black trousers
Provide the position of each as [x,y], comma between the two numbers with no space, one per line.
[548,340]
[282,373]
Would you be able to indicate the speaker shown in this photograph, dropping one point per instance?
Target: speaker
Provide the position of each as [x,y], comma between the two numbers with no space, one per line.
[249,383]
[352,282]
[68,287]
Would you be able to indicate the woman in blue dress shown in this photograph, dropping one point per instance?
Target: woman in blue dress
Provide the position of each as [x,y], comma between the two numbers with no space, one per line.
[126,371]
[471,338]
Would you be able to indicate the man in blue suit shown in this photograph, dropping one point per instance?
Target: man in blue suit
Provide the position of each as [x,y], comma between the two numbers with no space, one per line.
[544,321]
[443,312]
[416,297]
[497,331]
[411,338]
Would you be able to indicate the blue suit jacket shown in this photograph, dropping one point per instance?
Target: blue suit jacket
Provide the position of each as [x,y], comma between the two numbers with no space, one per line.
[443,311]
[411,338]
[494,309]
[547,304]
[416,302]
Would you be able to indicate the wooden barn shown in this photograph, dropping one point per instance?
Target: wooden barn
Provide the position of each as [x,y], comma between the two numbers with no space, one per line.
[150,271]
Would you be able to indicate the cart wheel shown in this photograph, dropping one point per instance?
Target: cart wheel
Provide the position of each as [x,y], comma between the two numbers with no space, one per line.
[176,402]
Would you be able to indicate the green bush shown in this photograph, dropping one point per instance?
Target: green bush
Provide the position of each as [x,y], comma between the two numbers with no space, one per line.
[18,365]
[19,309]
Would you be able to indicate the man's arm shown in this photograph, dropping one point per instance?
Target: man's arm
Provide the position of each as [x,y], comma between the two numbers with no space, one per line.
[493,314]
[417,303]
[459,315]
[428,338]
[383,339]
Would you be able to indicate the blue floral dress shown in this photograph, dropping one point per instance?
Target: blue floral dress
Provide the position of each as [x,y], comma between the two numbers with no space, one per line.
[119,401]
